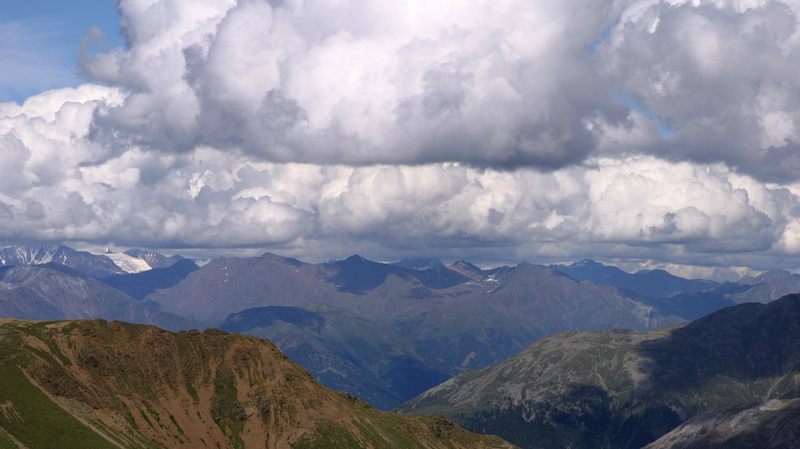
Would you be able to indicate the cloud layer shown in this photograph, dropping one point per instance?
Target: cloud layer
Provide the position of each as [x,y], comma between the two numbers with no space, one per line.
[59,184]
[646,130]
[502,84]
[358,82]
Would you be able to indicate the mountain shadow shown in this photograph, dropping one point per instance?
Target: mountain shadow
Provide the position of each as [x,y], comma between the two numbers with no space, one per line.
[139,285]
[623,389]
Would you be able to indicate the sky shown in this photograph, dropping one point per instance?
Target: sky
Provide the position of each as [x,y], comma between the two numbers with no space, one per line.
[649,133]
[40,42]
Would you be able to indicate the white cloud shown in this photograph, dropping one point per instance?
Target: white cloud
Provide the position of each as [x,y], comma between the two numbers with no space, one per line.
[720,73]
[660,132]
[510,83]
[62,186]
[493,83]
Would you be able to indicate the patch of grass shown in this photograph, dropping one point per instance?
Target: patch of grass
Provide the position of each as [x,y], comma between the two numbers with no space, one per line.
[5,443]
[328,435]
[177,426]
[226,410]
[186,356]
[56,351]
[146,418]
[42,354]
[120,439]
[192,392]
[44,425]
[153,413]
[132,421]
[386,435]
[134,331]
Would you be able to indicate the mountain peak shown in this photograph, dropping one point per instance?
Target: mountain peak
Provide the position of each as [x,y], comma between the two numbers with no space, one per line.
[153,258]
[465,267]
[656,283]
[586,263]
[359,275]
[774,275]
[527,266]
[420,263]
[282,259]
[356,258]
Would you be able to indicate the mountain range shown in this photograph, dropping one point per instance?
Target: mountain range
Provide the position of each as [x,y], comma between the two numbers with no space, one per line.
[584,355]
[55,292]
[625,389]
[646,283]
[92,264]
[345,351]
[82,261]
[383,331]
[453,320]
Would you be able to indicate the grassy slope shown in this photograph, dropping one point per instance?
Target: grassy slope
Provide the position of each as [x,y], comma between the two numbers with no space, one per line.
[85,384]
[34,411]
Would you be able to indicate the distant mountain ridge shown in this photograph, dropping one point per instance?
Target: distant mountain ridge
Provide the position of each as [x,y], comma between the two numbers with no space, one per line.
[688,298]
[647,283]
[768,287]
[93,264]
[420,320]
[139,285]
[462,320]
[359,275]
[153,258]
[85,262]
[57,292]
[345,351]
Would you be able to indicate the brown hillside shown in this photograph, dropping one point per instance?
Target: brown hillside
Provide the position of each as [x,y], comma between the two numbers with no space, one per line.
[93,384]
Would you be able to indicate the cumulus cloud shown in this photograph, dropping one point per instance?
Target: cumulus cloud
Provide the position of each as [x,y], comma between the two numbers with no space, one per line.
[494,84]
[719,74]
[659,132]
[62,185]
[489,83]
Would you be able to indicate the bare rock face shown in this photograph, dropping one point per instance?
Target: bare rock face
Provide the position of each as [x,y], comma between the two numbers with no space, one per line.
[94,384]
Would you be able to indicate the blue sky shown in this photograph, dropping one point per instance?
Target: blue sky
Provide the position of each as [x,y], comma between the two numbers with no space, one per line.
[40,42]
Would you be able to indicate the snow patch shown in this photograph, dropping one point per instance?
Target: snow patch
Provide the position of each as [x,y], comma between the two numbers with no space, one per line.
[128,264]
